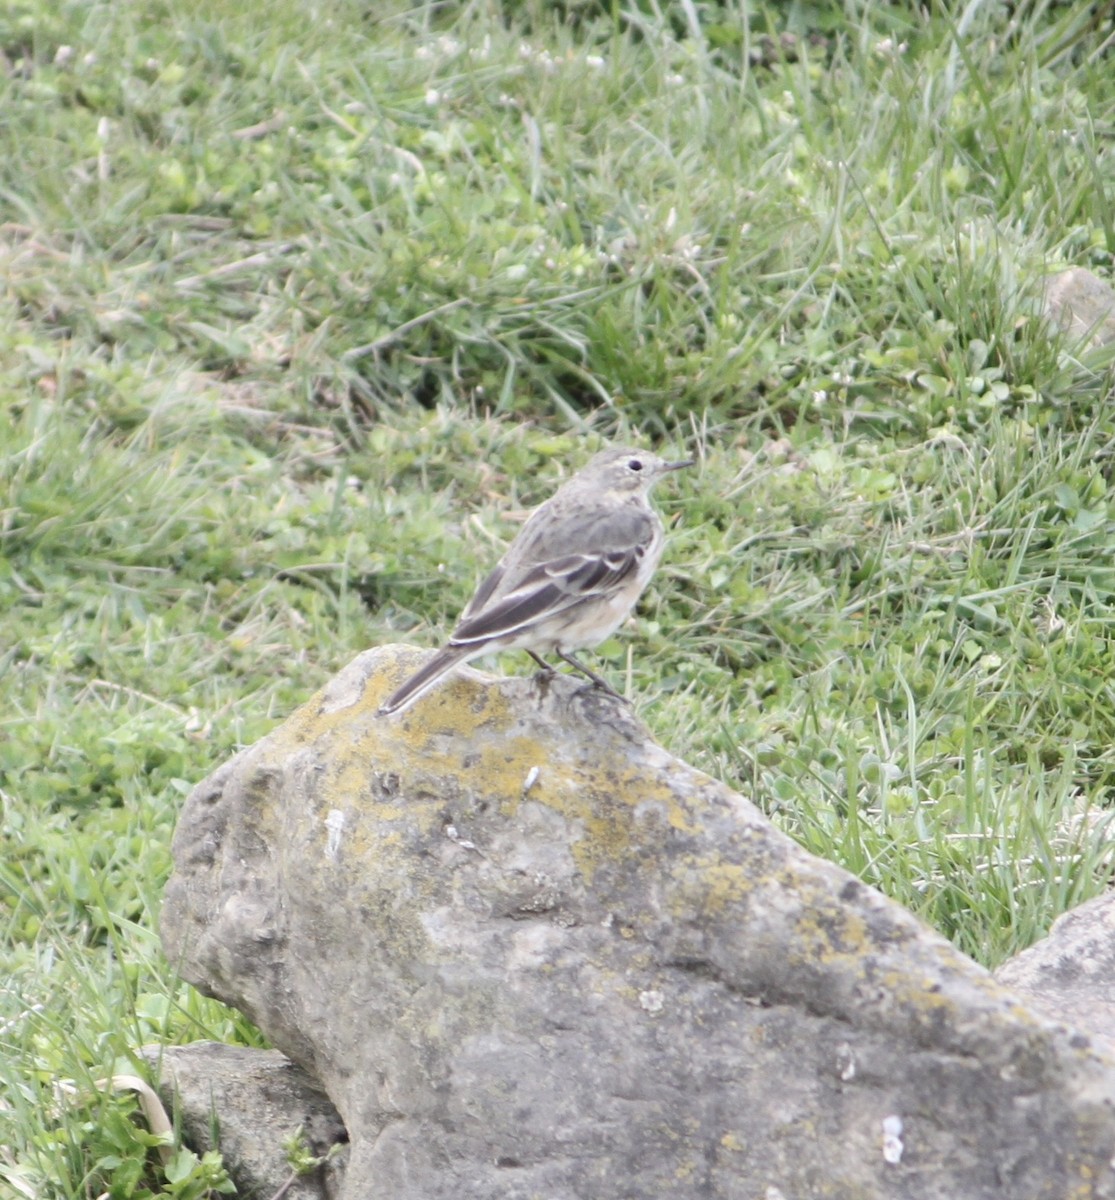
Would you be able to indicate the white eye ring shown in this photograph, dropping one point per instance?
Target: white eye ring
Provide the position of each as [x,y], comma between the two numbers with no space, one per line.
[634,464]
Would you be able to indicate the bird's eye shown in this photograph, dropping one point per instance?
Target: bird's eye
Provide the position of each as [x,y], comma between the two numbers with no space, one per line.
[634,464]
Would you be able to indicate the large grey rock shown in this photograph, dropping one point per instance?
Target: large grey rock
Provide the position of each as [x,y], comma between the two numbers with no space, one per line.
[529,954]
[1070,975]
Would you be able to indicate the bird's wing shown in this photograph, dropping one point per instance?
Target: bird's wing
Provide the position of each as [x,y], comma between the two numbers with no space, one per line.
[483,593]
[553,586]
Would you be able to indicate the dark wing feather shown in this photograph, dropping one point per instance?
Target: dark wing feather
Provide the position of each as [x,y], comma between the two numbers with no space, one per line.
[549,589]
[483,593]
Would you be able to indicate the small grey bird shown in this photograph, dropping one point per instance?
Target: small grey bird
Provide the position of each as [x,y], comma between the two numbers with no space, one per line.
[569,579]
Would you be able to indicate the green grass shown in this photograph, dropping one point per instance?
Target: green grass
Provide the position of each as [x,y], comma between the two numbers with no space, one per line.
[295,311]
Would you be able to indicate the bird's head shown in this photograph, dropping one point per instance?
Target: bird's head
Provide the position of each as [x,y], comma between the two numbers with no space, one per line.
[622,469]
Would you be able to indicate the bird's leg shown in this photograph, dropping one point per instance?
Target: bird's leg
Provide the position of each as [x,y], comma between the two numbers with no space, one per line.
[542,678]
[546,668]
[603,684]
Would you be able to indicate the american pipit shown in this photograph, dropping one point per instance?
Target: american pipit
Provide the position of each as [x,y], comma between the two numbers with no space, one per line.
[569,579]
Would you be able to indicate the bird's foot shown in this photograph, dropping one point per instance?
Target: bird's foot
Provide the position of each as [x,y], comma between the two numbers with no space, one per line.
[598,685]
[545,672]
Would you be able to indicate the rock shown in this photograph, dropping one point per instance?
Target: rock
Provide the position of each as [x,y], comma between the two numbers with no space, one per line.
[1069,975]
[259,1099]
[1081,304]
[528,953]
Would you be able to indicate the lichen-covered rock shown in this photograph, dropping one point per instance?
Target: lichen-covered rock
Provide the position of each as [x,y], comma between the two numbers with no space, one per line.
[530,954]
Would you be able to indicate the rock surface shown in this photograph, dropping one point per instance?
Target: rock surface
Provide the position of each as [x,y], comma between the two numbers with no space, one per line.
[259,1099]
[529,954]
[1082,304]
[1070,975]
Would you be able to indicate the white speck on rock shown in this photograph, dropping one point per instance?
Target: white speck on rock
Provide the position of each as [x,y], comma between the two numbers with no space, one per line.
[846,1062]
[454,836]
[335,823]
[892,1140]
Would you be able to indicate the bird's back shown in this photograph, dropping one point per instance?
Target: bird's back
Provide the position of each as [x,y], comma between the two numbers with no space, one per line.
[565,525]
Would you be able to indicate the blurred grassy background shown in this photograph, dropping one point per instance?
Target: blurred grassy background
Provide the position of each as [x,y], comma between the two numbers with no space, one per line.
[303,303]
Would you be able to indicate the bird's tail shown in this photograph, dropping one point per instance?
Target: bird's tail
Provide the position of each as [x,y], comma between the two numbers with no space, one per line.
[424,678]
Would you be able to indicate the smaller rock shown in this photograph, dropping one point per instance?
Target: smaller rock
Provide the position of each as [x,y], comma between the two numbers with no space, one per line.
[255,1099]
[1082,304]
[1067,975]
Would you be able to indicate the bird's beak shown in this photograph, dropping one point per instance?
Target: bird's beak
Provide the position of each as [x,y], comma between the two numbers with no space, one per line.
[677,466]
